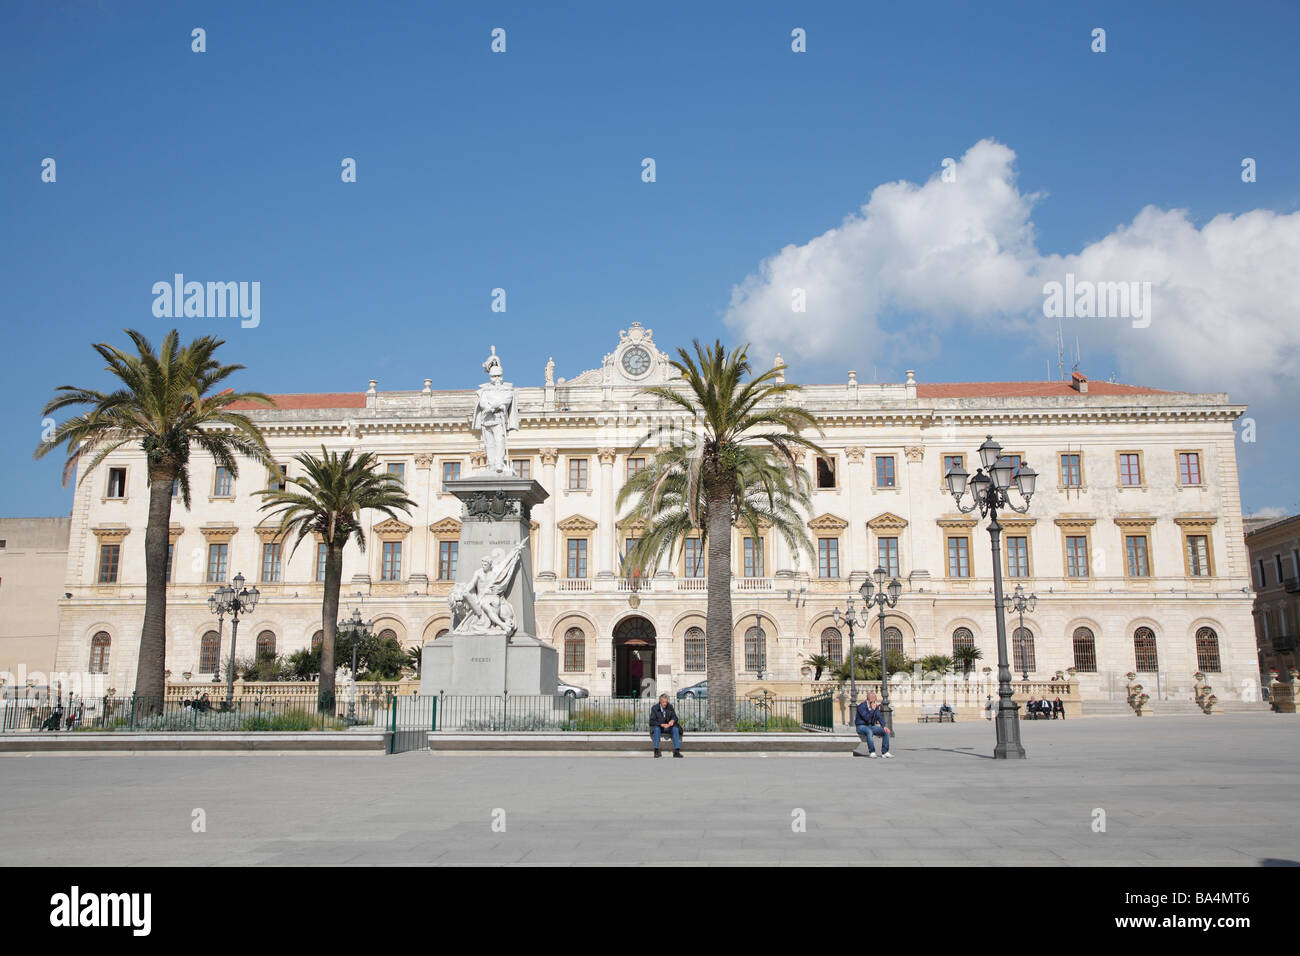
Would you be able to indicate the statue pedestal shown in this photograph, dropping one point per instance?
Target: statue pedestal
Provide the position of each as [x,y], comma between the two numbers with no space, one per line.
[486,665]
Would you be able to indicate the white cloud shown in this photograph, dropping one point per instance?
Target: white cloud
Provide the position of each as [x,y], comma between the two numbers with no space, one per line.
[915,260]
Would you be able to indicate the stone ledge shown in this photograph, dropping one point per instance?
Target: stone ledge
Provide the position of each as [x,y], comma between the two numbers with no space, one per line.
[89,742]
[623,742]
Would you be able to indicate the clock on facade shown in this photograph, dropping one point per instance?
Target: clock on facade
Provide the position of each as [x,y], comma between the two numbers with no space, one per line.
[636,361]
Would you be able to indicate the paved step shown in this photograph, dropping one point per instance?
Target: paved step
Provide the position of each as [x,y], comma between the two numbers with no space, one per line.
[620,742]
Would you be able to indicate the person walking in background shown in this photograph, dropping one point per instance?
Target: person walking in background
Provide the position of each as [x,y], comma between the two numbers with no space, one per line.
[988,708]
[869,724]
[663,720]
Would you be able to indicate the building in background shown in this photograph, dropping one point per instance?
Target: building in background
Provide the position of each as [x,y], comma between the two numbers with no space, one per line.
[1274,551]
[1133,543]
[33,566]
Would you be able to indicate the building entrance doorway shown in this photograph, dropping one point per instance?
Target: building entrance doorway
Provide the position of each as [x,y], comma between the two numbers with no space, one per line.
[634,658]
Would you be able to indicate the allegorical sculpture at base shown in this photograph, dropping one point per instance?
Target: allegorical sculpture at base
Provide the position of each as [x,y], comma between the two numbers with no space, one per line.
[496,415]
[479,605]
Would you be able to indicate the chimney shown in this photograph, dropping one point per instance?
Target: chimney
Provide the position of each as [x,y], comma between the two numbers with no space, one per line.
[1079,382]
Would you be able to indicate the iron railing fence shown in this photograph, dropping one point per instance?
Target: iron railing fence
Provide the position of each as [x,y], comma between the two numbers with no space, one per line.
[561,714]
[139,713]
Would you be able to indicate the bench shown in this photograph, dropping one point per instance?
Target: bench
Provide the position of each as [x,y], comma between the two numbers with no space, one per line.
[932,712]
[1027,714]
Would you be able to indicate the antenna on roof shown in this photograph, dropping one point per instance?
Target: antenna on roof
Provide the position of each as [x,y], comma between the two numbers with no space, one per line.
[1078,355]
[1060,350]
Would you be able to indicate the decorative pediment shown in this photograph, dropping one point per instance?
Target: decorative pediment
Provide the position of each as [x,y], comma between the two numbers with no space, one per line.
[633,525]
[1135,522]
[1196,522]
[887,521]
[828,522]
[1016,524]
[268,531]
[956,522]
[174,532]
[111,534]
[392,528]
[1075,522]
[576,523]
[219,533]
[447,526]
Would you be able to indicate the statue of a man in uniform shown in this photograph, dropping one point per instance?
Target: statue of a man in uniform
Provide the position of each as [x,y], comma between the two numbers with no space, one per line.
[495,416]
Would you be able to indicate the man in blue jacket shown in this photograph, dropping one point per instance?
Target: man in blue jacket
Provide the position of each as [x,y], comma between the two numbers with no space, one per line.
[663,720]
[869,724]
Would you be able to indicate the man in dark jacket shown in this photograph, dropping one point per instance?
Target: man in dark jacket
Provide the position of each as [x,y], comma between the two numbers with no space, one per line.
[663,720]
[1058,707]
[869,724]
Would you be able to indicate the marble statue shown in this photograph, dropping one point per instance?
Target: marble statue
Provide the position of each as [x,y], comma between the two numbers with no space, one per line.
[495,416]
[479,605]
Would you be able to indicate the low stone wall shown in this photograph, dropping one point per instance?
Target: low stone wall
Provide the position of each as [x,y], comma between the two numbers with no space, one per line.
[263,741]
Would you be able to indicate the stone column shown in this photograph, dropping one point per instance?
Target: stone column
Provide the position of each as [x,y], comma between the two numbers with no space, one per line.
[545,513]
[606,534]
[915,478]
[860,560]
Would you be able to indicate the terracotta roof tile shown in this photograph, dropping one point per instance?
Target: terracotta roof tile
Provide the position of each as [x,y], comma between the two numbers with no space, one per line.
[313,400]
[1028,389]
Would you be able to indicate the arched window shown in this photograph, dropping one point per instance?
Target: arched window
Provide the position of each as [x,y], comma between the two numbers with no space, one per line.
[755,649]
[962,637]
[696,649]
[441,634]
[265,645]
[99,646]
[1144,650]
[1207,650]
[1085,650]
[1022,651]
[575,650]
[317,640]
[209,653]
[387,634]
[833,644]
[893,640]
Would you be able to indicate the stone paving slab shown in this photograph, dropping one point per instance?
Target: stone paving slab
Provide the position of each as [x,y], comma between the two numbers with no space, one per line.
[1212,792]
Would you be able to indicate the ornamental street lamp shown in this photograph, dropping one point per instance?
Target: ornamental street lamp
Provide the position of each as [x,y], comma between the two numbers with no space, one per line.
[886,596]
[218,606]
[355,627]
[1021,602]
[233,601]
[850,619]
[990,489]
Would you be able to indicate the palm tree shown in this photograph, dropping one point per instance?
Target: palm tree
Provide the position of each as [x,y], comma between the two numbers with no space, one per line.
[819,663]
[164,403]
[327,500]
[735,466]
[966,655]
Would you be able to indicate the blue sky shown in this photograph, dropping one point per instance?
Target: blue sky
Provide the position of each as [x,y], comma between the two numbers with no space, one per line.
[522,170]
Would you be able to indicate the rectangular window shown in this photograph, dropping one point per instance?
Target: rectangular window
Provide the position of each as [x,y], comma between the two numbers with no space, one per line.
[1076,556]
[523,467]
[1189,467]
[116,483]
[696,650]
[1071,470]
[397,469]
[694,559]
[577,558]
[949,463]
[1277,565]
[277,480]
[753,551]
[1136,556]
[825,472]
[217,556]
[176,487]
[320,561]
[271,561]
[958,557]
[1130,469]
[574,655]
[577,474]
[109,556]
[887,555]
[450,471]
[171,553]
[448,552]
[1198,555]
[1018,556]
[223,484]
[1263,580]
[391,570]
[885,477]
[828,557]
[634,467]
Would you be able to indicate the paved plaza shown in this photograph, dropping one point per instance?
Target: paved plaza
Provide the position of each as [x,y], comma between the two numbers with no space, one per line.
[1174,790]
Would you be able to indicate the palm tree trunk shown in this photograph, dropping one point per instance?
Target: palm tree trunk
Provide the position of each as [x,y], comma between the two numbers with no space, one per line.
[719,640]
[151,664]
[329,624]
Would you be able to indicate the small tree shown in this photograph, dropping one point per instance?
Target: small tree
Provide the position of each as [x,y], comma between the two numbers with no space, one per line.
[819,663]
[966,656]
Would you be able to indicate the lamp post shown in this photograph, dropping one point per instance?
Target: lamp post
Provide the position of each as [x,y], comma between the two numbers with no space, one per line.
[1020,602]
[233,601]
[355,627]
[886,596]
[218,606]
[849,618]
[990,489]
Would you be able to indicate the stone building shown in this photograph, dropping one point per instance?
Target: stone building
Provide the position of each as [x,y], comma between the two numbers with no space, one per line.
[1274,553]
[33,562]
[1133,543]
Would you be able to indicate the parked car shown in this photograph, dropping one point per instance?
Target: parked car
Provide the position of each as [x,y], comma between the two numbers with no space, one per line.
[572,690]
[700,690]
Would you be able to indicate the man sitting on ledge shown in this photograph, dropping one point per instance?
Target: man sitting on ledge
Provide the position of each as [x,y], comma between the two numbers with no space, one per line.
[663,719]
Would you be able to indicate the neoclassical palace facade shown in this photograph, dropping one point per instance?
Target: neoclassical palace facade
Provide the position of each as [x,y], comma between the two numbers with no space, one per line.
[1133,543]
